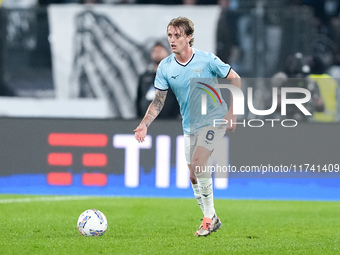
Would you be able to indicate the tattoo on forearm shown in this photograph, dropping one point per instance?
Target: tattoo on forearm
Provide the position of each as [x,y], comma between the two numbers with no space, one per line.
[159,100]
[155,107]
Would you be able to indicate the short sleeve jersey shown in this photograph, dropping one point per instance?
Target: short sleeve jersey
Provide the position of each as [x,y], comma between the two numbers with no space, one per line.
[179,77]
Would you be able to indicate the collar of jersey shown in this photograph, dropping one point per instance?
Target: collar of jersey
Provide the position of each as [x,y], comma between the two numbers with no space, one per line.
[185,64]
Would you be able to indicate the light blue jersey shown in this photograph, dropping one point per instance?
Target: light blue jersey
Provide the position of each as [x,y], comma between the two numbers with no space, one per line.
[189,82]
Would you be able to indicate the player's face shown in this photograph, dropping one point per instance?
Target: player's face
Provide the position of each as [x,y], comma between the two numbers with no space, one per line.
[178,40]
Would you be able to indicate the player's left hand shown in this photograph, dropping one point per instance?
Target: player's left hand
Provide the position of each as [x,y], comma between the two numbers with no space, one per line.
[231,118]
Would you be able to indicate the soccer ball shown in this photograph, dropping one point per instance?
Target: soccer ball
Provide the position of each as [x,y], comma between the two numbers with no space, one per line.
[92,222]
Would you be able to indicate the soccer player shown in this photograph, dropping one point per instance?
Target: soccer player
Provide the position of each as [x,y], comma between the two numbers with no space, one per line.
[200,136]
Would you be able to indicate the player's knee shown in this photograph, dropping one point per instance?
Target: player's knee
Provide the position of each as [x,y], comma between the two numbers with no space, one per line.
[193,180]
[197,165]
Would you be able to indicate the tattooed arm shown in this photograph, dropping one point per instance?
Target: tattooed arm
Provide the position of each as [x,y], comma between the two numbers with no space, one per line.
[154,109]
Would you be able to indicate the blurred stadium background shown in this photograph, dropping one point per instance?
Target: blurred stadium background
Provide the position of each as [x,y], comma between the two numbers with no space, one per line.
[68,83]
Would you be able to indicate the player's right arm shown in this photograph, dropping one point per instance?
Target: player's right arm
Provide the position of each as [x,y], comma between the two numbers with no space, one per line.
[154,109]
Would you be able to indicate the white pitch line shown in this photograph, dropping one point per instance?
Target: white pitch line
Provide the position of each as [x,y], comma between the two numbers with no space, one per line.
[43,199]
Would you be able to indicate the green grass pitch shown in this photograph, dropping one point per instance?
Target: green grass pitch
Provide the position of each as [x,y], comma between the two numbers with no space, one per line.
[47,225]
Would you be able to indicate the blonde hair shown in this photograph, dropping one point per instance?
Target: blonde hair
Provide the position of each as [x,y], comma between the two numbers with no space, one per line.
[184,23]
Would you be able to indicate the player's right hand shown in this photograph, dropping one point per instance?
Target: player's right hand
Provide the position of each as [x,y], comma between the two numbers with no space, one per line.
[140,132]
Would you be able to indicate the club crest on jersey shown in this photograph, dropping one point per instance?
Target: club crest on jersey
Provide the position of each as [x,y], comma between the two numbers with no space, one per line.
[198,71]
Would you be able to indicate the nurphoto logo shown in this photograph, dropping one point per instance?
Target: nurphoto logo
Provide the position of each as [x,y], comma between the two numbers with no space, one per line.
[239,103]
